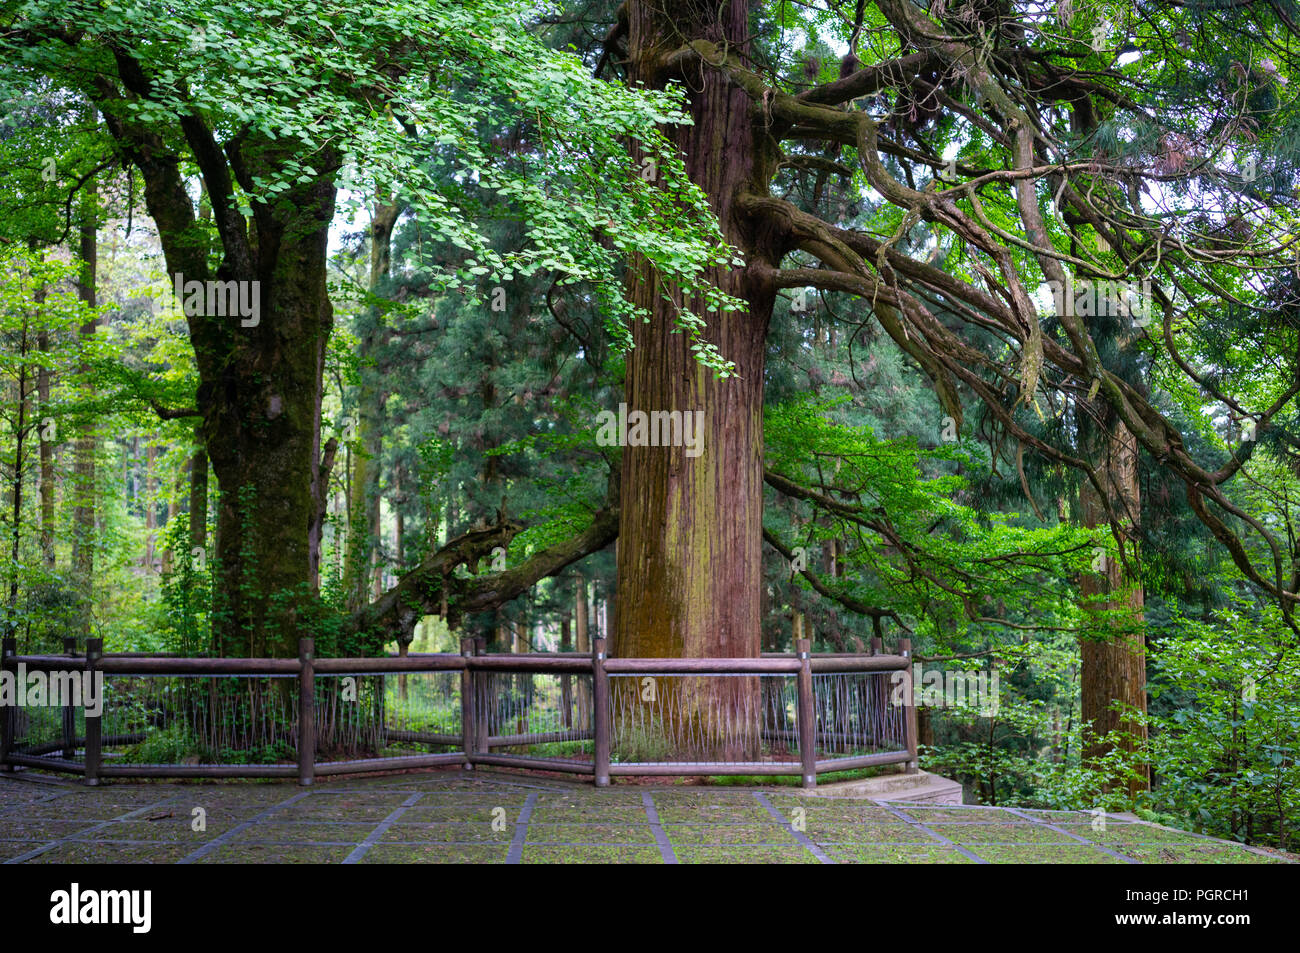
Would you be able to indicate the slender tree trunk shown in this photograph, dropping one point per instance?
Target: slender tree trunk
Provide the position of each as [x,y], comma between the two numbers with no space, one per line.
[21,426]
[363,504]
[1113,667]
[523,682]
[377,550]
[582,644]
[87,442]
[566,681]
[399,521]
[46,446]
[198,500]
[150,510]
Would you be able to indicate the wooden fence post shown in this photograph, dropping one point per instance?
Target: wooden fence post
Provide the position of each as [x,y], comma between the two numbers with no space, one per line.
[600,712]
[94,723]
[909,707]
[69,713]
[468,715]
[8,649]
[807,719]
[306,712]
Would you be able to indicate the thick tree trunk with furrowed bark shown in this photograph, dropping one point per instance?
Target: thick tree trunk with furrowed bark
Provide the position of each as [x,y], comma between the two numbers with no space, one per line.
[689,554]
[261,410]
[259,393]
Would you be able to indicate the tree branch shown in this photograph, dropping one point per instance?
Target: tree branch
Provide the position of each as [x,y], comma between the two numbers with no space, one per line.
[421,591]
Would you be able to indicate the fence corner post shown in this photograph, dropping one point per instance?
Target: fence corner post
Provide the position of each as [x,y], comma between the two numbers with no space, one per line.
[306,711]
[468,712]
[909,707]
[600,712]
[95,723]
[8,649]
[806,721]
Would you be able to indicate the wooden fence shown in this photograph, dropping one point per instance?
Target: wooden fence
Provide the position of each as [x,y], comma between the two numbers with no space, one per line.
[860,715]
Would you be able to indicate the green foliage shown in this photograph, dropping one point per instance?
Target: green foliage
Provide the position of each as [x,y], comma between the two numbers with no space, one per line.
[418,119]
[1225,751]
[914,545]
[514,170]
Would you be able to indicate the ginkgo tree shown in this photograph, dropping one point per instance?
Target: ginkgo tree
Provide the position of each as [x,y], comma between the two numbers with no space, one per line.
[270,111]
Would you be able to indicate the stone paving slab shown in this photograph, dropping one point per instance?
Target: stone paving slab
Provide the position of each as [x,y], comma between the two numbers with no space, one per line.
[494,818]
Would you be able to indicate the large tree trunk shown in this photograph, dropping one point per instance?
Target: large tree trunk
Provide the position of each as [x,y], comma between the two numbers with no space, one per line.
[690,538]
[1113,668]
[260,375]
[261,410]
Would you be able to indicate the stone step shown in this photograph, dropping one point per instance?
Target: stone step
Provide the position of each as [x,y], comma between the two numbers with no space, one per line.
[922,786]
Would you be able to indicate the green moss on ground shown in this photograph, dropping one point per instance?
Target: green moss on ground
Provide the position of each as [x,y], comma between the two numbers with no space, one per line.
[937,854]
[709,815]
[272,832]
[720,834]
[275,854]
[478,832]
[715,854]
[81,852]
[590,833]
[451,822]
[595,814]
[439,854]
[1068,853]
[841,833]
[1000,833]
[591,855]
[1213,853]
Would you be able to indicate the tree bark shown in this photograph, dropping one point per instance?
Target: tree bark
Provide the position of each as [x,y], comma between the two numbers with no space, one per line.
[262,432]
[87,443]
[566,681]
[689,557]
[1113,668]
[364,506]
[150,508]
[690,551]
[21,428]
[260,375]
[260,393]
[198,500]
[46,446]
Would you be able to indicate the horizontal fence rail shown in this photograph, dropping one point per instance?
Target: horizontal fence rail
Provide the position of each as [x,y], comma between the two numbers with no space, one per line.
[146,716]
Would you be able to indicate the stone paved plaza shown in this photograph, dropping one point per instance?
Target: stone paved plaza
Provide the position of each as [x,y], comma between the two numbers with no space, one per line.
[496,817]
